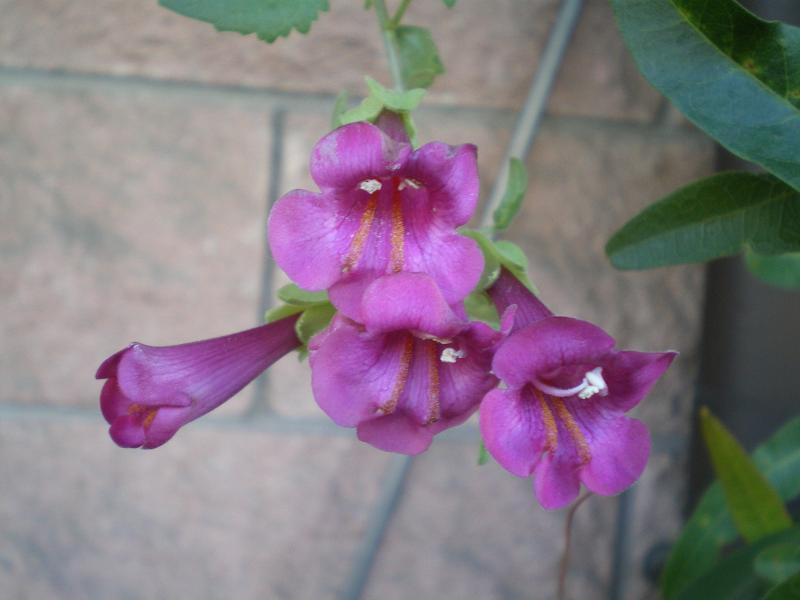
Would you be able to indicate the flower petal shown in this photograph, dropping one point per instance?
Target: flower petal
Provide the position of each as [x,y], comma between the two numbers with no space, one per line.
[619,446]
[450,173]
[354,373]
[631,375]
[127,432]
[513,430]
[308,235]
[408,301]
[353,153]
[556,482]
[395,433]
[508,291]
[547,345]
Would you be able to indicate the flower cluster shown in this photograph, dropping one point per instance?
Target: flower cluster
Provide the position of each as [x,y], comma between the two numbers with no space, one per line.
[401,360]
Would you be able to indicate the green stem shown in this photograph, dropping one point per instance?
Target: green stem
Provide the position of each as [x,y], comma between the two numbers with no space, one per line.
[390,43]
[401,10]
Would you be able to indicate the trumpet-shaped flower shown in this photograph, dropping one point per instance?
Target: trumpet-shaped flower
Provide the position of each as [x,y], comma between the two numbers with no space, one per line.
[561,418]
[383,208]
[151,392]
[411,370]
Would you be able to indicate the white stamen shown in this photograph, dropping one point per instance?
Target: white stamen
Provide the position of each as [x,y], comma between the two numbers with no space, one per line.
[451,355]
[593,383]
[408,183]
[370,185]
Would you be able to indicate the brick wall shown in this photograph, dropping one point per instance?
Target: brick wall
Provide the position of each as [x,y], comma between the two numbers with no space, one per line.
[137,154]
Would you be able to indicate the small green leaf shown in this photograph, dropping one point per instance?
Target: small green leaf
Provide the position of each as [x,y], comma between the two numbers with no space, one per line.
[709,219]
[513,258]
[340,107]
[314,319]
[516,186]
[779,562]
[449,3]
[268,19]
[281,312]
[393,99]
[734,75]
[755,506]
[481,308]
[788,590]
[367,4]
[411,128]
[782,270]
[292,294]
[710,527]
[734,577]
[419,59]
[491,262]
[368,110]
[483,455]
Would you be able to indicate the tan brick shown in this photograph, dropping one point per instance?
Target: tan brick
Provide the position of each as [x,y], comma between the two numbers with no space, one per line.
[124,217]
[585,183]
[490,49]
[470,532]
[213,514]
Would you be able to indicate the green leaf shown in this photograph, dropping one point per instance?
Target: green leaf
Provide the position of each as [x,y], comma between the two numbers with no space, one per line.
[734,577]
[755,506]
[268,19]
[779,562]
[450,3]
[314,319]
[782,270]
[340,107]
[481,308]
[788,590]
[368,110]
[734,75]
[394,99]
[419,59]
[516,186]
[491,261]
[483,455]
[281,312]
[709,219]
[711,527]
[513,258]
[291,294]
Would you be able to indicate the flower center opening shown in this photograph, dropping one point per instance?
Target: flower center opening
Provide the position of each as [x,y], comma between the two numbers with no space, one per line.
[593,383]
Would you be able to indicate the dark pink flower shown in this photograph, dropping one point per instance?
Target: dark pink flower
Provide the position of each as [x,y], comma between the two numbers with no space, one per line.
[561,418]
[151,391]
[383,208]
[410,371]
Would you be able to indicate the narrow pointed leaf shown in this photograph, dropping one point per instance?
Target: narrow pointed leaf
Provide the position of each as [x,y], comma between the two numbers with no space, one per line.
[734,578]
[419,58]
[709,219]
[755,506]
[710,527]
[483,455]
[734,75]
[788,590]
[782,270]
[268,19]
[516,186]
[779,562]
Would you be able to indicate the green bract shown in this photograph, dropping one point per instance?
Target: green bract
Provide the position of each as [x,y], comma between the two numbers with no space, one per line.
[419,58]
[734,75]
[498,254]
[516,186]
[268,19]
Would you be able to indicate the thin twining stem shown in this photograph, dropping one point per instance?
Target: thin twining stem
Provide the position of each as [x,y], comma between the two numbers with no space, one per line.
[387,27]
[564,566]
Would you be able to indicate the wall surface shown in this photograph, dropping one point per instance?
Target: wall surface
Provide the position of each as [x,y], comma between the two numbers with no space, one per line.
[137,154]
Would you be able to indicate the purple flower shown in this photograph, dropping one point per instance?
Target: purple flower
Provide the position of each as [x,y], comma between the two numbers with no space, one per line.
[383,208]
[561,417]
[411,370]
[151,391]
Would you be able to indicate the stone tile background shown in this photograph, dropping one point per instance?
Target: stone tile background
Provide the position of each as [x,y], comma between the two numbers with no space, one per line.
[137,151]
